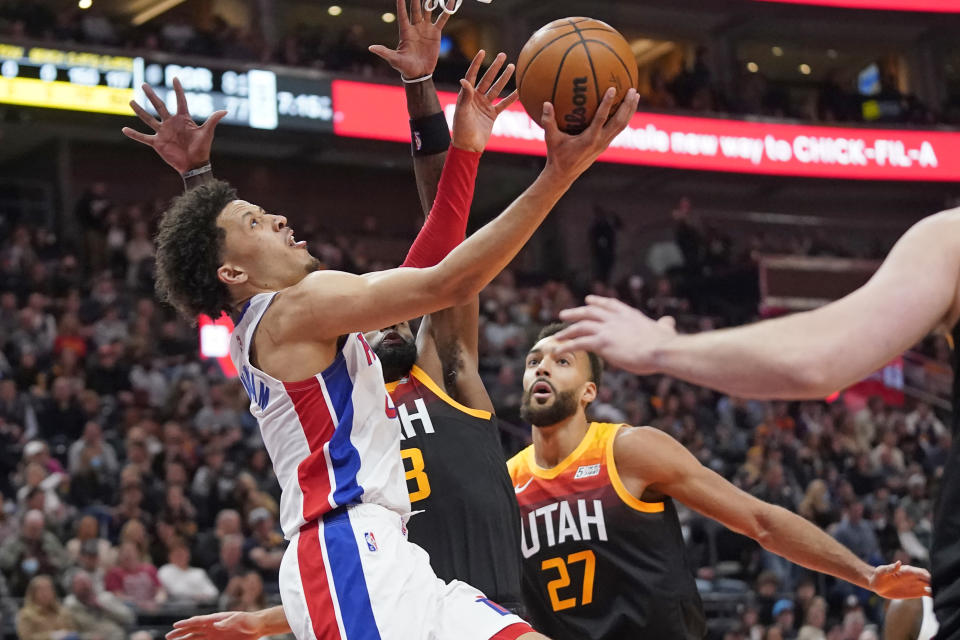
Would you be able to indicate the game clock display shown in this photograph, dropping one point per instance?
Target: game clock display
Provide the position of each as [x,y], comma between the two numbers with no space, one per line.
[98,83]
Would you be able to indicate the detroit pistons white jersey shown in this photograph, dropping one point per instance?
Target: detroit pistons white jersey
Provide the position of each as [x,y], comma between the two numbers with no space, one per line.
[334,439]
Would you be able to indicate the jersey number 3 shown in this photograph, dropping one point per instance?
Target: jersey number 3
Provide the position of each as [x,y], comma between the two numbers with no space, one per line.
[589,561]
[416,473]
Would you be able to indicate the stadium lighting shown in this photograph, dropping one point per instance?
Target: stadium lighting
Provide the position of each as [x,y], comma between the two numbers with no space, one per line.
[152,12]
[777,51]
[85,4]
[334,10]
[753,67]
[805,69]
[388,17]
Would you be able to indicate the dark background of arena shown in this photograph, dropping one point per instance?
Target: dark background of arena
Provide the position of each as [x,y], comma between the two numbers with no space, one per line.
[109,417]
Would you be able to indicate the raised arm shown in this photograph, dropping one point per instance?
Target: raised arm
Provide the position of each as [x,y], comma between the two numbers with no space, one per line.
[652,459]
[415,58]
[447,340]
[388,297]
[805,355]
[177,139]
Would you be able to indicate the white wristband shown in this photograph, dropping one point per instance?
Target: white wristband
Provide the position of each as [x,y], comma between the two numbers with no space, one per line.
[416,80]
[198,171]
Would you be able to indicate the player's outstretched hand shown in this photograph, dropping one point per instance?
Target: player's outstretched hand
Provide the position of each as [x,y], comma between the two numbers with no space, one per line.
[477,106]
[617,332]
[900,582]
[181,143]
[419,49]
[571,155]
[227,625]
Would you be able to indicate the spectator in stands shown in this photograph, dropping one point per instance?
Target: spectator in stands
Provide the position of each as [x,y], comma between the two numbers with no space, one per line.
[856,534]
[603,242]
[230,563]
[60,418]
[16,408]
[130,506]
[815,621]
[35,551]
[42,616]
[185,584]
[886,458]
[106,374]
[249,497]
[89,562]
[264,549]
[208,545]
[37,478]
[244,593]
[88,530]
[212,488]
[783,616]
[91,212]
[8,523]
[816,505]
[923,421]
[178,512]
[135,532]
[135,581]
[868,420]
[99,453]
[96,614]
[916,504]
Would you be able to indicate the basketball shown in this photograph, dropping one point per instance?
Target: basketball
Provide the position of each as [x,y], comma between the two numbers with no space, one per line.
[571,63]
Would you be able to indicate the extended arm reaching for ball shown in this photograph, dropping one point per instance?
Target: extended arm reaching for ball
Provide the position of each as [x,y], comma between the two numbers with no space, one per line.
[806,355]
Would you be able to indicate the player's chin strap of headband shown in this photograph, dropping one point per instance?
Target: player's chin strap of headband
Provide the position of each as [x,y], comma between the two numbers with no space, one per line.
[430,5]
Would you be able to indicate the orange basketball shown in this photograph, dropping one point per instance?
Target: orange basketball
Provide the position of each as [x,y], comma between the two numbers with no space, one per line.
[571,63]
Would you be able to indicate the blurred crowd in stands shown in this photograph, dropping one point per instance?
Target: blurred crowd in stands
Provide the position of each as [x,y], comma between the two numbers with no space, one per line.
[345,50]
[135,489]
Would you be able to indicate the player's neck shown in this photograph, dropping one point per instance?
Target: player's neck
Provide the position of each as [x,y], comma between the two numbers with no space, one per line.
[552,444]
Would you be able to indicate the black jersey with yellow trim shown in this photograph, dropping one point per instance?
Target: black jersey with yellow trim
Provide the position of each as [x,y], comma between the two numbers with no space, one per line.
[598,563]
[466,516]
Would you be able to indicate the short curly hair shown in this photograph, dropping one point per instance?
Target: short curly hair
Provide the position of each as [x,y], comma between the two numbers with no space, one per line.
[190,250]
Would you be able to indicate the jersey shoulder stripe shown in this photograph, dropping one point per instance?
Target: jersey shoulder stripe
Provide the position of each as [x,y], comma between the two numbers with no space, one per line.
[419,376]
[628,498]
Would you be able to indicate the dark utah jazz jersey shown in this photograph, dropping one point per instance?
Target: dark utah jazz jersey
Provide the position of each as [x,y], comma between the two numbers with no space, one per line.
[945,554]
[456,476]
[598,563]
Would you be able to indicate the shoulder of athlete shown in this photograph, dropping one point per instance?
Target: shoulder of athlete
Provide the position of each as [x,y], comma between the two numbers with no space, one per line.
[941,232]
[516,465]
[298,312]
[647,456]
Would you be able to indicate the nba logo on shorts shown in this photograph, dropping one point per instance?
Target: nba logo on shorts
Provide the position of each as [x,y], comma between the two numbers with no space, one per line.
[371,541]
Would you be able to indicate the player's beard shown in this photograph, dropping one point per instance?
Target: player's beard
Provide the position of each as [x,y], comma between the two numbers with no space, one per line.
[314,265]
[397,360]
[563,406]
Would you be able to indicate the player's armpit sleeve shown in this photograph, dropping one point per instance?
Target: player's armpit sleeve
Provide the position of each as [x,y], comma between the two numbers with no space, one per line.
[446,225]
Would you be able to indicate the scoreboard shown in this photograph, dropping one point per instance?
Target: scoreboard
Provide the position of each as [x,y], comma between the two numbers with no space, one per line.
[78,81]
[92,82]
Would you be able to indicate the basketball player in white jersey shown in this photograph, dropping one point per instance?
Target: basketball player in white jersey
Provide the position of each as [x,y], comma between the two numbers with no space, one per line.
[317,389]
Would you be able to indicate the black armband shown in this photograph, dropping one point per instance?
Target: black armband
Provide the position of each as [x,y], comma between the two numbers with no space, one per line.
[429,135]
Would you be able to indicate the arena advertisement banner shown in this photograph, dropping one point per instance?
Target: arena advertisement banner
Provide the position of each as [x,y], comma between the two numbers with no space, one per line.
[707,144]
[939,6]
